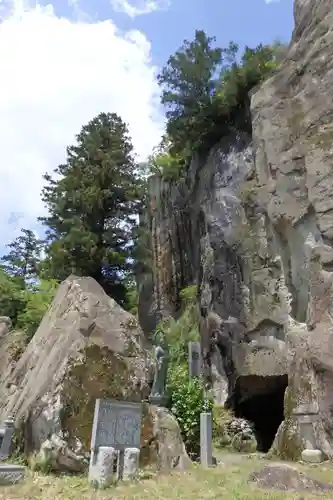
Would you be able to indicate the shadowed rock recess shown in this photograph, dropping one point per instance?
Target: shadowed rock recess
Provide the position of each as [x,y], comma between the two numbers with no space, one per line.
[252,225]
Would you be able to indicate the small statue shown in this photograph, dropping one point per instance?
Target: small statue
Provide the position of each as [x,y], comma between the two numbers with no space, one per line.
[157,395]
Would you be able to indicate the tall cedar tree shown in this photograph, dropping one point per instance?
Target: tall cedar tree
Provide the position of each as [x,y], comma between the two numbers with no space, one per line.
[23,259]
[92,203]
[188,83]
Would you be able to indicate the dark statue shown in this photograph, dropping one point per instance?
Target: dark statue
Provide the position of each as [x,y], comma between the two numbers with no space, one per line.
[158,394]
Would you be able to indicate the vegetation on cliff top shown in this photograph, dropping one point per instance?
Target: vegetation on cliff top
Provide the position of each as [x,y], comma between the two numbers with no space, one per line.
[205,90]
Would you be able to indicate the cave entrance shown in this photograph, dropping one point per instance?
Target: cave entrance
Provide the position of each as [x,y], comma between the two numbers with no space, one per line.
[261,401]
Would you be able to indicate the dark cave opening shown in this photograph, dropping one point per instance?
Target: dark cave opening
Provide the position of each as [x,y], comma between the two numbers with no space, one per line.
[263,407]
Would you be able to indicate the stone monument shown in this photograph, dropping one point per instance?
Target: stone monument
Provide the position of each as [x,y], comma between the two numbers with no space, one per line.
[158,395]
[307,415]
[194,359]
[9,473]
[115,441]
[206,440]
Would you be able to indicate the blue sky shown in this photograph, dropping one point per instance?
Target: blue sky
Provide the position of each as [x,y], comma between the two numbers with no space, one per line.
[247,22]
[64,61]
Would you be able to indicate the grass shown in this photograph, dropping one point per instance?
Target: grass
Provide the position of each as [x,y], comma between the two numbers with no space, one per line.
[229,482]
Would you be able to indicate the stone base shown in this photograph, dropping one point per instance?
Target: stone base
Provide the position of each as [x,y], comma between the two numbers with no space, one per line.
[312,456]
[11,474]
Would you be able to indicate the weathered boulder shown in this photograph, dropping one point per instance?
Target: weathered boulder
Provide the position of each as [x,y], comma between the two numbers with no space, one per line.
[5,325]
[286,478]
[86,347]
[162,444]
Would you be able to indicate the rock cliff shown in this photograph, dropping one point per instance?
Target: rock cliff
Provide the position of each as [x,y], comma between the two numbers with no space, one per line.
[252,224]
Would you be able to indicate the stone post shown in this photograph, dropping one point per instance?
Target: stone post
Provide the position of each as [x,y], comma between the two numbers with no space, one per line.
[306,415]
[131,463]
[7,438]
[206,440]
[101,470]
[194,359]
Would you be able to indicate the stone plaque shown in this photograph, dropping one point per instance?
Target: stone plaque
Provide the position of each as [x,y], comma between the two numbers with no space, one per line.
[116,424]
[194,359]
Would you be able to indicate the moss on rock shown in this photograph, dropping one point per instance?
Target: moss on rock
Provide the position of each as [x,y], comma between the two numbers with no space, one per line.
[99,373]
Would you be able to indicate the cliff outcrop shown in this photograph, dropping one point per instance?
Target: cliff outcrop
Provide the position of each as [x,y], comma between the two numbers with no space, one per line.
[251,224]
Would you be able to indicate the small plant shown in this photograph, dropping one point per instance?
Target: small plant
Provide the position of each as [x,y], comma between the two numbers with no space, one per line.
[188,294]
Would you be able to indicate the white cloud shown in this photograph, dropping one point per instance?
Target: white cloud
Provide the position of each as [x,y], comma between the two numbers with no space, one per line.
[135,8]
[56,75]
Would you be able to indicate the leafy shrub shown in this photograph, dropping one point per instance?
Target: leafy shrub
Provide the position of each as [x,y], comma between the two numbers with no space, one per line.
[187,401]
[189,294]
[170,166]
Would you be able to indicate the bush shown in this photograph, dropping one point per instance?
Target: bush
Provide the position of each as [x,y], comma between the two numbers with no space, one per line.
[186,403]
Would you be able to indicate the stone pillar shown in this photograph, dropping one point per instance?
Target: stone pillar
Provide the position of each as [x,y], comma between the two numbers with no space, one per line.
[206,439]
[102,466]
[7,438]
[306,415]
[194,359]
[131,463]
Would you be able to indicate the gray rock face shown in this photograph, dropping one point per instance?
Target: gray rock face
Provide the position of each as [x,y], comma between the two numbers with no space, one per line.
[211,230]
[252,225]
[5,325]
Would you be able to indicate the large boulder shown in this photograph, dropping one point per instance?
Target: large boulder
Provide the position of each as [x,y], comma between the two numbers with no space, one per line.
[161,441]
[86,347]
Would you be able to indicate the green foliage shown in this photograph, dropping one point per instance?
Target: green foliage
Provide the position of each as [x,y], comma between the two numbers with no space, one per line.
[37,298]
[188,295]
[177,334]
[12,301]
[23,259]
[170,166]
[205,90]
[187,402]
[132,297]
[187,82]
[92,201]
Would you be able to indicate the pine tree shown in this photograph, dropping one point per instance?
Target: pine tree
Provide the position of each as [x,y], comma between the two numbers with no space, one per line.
[188,83]
[92,202]
[24,257]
